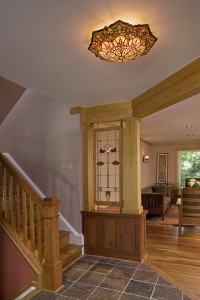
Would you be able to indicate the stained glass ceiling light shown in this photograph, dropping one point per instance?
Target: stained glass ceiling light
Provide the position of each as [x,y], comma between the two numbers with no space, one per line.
[121,41]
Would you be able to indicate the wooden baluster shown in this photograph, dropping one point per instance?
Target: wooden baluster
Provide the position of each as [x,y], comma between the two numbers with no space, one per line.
[24,198]
[39,234]
[11,201]
[18,208]
[32,224]
[5,201]
[52,268]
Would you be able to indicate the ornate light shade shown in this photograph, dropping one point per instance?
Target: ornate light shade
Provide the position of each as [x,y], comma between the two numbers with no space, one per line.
[146,158]
[121,41]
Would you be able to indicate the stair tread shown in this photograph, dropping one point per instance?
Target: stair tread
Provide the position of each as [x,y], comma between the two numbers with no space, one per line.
[69,254]
[69,250]
[63,232]
[64,238]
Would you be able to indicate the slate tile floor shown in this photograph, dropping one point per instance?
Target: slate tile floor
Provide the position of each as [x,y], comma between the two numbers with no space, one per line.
[94,278]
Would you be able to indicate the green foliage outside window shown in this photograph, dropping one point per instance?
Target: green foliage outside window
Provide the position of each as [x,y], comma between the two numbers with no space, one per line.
[189,165]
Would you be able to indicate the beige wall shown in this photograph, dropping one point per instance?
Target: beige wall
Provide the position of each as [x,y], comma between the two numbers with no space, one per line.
[40,134]
[148,170]
[145,167]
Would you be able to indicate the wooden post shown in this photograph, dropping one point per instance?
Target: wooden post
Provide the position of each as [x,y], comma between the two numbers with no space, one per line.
[88,167]
[52,267]
[132,174]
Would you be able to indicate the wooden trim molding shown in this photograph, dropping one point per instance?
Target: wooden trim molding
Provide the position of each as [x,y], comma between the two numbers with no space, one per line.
[176,88]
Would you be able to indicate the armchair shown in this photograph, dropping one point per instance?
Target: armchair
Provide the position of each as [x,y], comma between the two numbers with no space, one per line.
[189,210]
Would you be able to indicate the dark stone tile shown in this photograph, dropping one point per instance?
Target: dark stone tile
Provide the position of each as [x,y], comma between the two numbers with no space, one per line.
[92,278]
[126,263]
[83,264]
[66,285]
[145,275]
[115,283]
[162,281]
[106,294]
[110,261]
[133,297]
[91,257]
[72,274]
[140,288]
[102,268]
[44,295]
[80,291]
[166,293]
[123,271]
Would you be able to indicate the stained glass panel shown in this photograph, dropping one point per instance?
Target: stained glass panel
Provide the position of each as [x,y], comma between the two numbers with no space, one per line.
[107,165]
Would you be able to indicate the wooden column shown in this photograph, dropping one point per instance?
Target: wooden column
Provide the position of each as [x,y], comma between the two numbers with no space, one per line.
[52,268]
[88,167]
[132,168]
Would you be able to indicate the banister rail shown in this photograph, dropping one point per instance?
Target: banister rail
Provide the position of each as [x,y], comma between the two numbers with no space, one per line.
[32,222]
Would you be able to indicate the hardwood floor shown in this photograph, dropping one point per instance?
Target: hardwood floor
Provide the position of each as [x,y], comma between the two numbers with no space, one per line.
[176,257]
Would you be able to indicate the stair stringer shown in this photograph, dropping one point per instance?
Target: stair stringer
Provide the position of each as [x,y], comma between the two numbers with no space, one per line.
[75,237]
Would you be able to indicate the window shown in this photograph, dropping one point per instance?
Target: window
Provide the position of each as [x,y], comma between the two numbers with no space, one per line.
[189,165]
[108,165]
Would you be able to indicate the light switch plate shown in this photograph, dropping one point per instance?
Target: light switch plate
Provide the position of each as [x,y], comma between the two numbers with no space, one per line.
[66,165]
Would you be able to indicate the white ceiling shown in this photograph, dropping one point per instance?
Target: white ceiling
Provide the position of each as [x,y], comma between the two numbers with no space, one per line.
[169,124]
[44,46]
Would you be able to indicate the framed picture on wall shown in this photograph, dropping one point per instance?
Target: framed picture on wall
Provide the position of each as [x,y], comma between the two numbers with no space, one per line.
[162,168]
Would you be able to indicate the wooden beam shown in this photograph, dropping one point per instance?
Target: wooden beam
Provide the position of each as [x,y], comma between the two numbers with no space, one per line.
[177,87]
[181,85]
[76,110]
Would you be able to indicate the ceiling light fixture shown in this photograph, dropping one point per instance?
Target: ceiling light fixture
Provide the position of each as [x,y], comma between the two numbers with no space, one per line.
[122,42]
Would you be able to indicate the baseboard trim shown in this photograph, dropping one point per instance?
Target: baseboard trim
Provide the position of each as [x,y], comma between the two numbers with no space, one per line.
[26,293]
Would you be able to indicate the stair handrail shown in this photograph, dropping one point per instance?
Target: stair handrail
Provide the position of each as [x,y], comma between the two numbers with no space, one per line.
[32,223]
[27,186]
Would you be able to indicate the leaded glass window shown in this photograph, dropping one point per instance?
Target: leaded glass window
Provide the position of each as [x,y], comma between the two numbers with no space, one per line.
[108,166]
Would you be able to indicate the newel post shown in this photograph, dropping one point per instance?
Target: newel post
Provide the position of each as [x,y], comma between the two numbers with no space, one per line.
[52,267]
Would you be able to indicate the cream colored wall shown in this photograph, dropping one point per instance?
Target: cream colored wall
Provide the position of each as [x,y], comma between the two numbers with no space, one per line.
[171,149]
[145,167]
[40,135]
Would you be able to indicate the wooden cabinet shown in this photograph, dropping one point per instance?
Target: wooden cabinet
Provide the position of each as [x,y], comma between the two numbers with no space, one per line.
[115,235]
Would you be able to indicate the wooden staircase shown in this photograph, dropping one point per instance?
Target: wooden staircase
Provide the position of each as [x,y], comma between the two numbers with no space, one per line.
[32,224]
[68,252]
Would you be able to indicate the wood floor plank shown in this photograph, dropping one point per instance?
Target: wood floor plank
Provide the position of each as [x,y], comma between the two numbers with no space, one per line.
[176,257]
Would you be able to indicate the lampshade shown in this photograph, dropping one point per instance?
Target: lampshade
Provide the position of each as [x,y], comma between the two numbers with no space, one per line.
[121,41]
